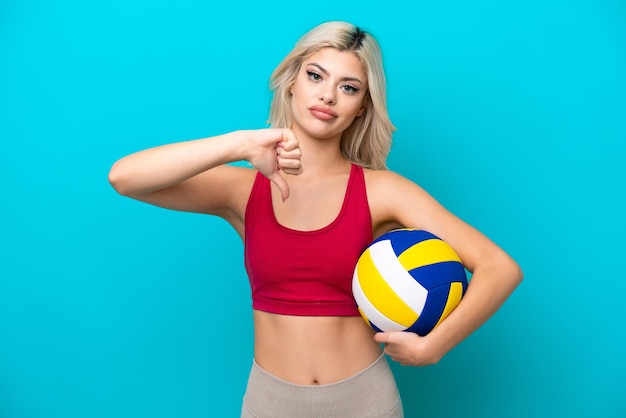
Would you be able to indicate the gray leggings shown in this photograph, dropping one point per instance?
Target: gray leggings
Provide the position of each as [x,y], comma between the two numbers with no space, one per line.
[370,393]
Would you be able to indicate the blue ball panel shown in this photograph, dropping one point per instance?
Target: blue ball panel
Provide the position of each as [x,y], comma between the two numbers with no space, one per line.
[375,328]
[439,274]
[435,303]
[402,239]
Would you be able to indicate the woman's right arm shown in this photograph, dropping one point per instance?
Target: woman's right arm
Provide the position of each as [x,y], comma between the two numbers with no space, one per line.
[194,176]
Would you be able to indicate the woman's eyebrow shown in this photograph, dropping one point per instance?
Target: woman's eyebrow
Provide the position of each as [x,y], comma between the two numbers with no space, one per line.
[323,70]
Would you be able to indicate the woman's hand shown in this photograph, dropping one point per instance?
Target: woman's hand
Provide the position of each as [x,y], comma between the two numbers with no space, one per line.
[273,151]
[408,348]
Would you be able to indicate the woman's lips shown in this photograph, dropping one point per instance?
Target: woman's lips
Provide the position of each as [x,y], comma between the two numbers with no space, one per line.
[322,112]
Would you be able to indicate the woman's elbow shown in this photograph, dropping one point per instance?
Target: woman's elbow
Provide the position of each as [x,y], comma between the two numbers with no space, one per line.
[117,179]
[505,269]
[514,272]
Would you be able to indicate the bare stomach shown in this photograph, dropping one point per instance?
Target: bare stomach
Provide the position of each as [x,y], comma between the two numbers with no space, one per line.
[313,350]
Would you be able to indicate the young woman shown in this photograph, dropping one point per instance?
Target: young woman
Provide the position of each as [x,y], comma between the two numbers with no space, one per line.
[317,194]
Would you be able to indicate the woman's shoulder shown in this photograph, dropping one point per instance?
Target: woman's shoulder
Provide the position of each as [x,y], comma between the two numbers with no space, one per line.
[390,192]
[230,187]
[385,179]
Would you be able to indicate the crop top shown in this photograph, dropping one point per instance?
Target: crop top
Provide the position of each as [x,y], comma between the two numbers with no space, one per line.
[307,273]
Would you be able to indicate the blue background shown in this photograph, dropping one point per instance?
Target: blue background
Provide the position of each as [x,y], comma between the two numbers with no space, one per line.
[510,113]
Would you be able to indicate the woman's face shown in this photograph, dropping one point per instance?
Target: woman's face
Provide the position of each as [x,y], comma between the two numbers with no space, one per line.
[328,93]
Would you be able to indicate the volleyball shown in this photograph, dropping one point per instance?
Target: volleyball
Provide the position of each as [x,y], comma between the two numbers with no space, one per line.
[408,280]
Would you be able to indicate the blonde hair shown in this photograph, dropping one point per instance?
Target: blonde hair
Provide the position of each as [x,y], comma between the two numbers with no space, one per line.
[367,140]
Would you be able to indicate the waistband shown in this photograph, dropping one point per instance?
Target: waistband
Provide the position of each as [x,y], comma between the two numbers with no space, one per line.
[372,392]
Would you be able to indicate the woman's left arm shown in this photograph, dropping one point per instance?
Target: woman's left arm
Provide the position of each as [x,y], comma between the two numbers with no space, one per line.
[395,200]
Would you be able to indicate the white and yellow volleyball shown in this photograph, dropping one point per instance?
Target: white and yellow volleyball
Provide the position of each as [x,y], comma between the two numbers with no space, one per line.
[408,280]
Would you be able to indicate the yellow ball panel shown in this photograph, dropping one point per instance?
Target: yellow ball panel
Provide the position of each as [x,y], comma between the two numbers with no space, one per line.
[427,252]
[367,321]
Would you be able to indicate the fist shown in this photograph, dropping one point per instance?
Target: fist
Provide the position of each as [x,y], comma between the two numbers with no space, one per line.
[275,150]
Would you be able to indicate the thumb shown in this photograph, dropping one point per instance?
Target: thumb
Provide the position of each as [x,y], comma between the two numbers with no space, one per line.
[281,183]
[381,337]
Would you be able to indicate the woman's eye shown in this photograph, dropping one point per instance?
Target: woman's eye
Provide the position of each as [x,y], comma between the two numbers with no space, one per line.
[313,75]
[350,89]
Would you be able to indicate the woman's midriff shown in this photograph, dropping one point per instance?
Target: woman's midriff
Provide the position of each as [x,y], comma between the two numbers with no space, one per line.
[309,350]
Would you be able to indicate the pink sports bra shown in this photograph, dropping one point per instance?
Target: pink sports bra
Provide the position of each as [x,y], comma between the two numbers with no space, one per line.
[308,273]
